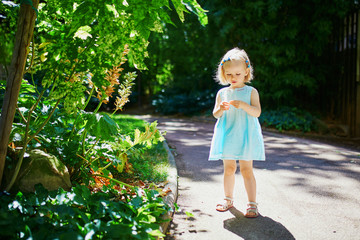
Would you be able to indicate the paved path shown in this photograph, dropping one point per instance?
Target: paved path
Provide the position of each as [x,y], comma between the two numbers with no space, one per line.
[306,189]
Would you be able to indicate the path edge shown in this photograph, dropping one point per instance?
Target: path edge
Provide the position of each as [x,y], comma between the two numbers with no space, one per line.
[171,197]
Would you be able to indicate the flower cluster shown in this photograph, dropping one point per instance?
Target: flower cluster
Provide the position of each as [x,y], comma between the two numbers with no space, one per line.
[125,91]
[112,76]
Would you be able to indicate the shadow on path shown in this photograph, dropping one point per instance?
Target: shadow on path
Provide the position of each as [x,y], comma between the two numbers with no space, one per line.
[259,228]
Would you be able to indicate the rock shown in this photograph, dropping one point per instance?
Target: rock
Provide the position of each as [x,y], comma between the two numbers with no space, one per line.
[44,168]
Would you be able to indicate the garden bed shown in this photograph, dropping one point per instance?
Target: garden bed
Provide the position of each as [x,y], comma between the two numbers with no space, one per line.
[121,205]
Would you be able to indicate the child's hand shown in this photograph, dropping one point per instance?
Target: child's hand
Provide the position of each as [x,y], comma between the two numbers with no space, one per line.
[224,106]
[236,103]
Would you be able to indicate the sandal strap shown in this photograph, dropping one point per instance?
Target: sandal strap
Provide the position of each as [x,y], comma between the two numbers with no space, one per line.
[224,204]
[252,208]
[229,199]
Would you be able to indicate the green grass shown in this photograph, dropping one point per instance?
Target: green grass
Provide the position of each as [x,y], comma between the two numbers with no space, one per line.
[152,164]
[128,124]
[149,163]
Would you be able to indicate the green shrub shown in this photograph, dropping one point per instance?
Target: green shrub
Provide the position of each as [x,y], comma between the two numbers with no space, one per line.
[80,214]
[149,163]
[288,119]
[171,102]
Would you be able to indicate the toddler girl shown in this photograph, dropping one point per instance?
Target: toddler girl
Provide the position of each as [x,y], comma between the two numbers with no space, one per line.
[237,133]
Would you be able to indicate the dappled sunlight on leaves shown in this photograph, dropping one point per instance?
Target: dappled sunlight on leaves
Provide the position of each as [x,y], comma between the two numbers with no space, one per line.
[78,51]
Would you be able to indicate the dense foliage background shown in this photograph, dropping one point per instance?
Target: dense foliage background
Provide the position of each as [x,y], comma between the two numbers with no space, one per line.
[289,43]
[82,54]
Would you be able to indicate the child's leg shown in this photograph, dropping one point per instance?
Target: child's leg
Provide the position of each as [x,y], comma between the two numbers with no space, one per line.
[246,169]
[229,177]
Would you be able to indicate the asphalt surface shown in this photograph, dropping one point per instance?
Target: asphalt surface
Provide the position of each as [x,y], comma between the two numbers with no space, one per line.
[305,189]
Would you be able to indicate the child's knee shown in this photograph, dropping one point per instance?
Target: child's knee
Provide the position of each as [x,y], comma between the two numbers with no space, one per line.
[247,173]
[229,170]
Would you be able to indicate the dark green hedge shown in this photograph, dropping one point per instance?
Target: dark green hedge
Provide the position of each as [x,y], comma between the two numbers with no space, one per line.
[288,42]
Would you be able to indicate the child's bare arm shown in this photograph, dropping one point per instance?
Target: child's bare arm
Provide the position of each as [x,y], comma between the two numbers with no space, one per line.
[220,107]
[254,109]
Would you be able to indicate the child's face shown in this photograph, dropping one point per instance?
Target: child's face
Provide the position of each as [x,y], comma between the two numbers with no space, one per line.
[235,72]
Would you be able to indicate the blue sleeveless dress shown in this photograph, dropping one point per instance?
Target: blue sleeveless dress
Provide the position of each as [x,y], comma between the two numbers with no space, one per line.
[237,135]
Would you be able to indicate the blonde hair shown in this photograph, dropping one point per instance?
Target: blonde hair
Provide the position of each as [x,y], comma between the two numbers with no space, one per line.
[231,55]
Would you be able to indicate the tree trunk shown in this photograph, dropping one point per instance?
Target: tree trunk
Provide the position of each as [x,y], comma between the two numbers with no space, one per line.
[25,29]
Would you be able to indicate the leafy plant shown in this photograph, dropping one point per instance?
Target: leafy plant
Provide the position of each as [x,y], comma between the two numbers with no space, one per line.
[188,104]
[7,31]
[78,52]
[149,163]
[288,119]
[78,55]
[81,214]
